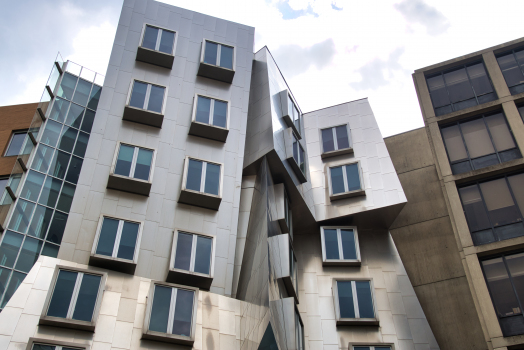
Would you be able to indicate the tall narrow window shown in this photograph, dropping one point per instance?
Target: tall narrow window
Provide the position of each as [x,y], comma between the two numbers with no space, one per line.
[340,245]
[117,239]
[299,155]
[288,217]
[19,144]
[294,114]
[193,253]
[299,332]
[335,138]
[211,111]
[219,54]
[147,96]
[345,179]
[134,161]
[355,302]
[203,177]
[158,39]
[512,66]
[293,268]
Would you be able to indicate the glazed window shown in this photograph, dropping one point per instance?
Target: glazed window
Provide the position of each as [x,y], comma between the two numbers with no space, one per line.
[19,144]
[203,177]
[354,300]
[335,138]
[117,238]
[219,54]
[134,162]
[288,217]
[299,155]
[371,347]
[521,111]
[345,179]
[294,114]
[158,39]
[340,245]
[45,346]
[211,111]
[512,66]
[147,96]
[299,331]
[193,253]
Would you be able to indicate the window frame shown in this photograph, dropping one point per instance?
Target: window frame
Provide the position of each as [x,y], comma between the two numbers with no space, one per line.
[167,337]
[200,198]
[203,177]
[195,105]
[519,48]
[148,94]
[372,346]
[219,49]
[301,327]
[357,320]
[13,133]
[133,162]
[336,151]
[285,97]
[57,343]
[69,322]
[209,131]
[173,51]
[339,262]
[346,194]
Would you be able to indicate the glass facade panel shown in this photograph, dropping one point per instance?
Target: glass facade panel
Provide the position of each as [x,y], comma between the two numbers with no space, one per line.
[500,133]
[40,222]
[438,92]
[194,175]
[28,254]
[15,146]
[33,185]
[81,144]
[183,312]
[56,231]
[50,192]
[94,98]
[82,91]
[74,116]
[203,255]
[66,197]
[474,208]
[59,164]
[212,182]
[183,251]
[9,249]
[479,79]
[504,298]
[51,133]
[516,183]
[454,143]
[499,202]
[20,219]
[512,71]
[59,110]
[73,172]
[42,159]
[67,86]
[477,138]
[459,87]
[16,280]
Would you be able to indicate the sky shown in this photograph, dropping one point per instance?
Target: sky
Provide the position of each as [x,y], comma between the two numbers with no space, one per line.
[330,51]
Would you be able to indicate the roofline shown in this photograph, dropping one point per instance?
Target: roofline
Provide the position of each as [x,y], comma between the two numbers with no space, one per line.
[343,103]
[404,132]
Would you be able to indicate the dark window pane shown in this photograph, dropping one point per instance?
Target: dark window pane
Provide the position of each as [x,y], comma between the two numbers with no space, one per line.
[56,231]
[443,110]
[40,222]
[32,186]
[479,79]
[337,180]
[59,164]
[138,95]
[29,254]
[160,309]
[85,304]
[50,250]
[220,114]
[509,231]
[353,177]
[194,175]
[382,348]
[210,53]
[348,244]
[9,248]
[67,86]
[183,312]
[65,284]
[438,93]
[166,42]
[156,99]
[477,138]
[226,57]
[66,197]
[521,111]
[504,298]
[67,139]
[331,244]
[459,88]
[203,254]
[364,299]
[83,88]
[474,208]
[150,36]
[203,108]
[511,154]
[345,299]
[124,160]
[501,208]
[20,219]
[462,167]
[50,192]
[487,97]
[74,116]
[42,159]
[183,251]
[482,162]
[328,144]
[454,143]
[361,348]
[516,269]
[94,98]
[45,347]
[4,276]
[87,124]
[106,241]
[500,133]
[342,137]
[17,140]
[16,281]
[511,71]
[59,110]
[516,183]
[126,250]
[212,183]
[295,150]
[143,164]
[465,104]
[73,172]
[302,163]
[81,144]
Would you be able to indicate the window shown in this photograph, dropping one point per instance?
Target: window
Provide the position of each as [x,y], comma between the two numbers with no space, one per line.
[202,178]
[521,111]
[505,279]
[340,245]
[354,302]
[171,312]
[280,247]
[132,169]
[75,298]
[371,347]
[47,344]
[19,144]
[217,61]
[299,155]
[299,331]
[158,39]
[288,217]
[295,154]
[290,112]
[210,118]
[493,208]
[461,87]
[345,181]
[147,96]
[479,143]
[335,141]
[294,114]
[293,270]
[512,66]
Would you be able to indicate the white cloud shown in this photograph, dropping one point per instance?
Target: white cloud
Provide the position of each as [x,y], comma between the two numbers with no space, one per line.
[417,11]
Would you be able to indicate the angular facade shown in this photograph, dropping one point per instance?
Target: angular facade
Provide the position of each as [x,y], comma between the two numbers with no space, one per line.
[210,211]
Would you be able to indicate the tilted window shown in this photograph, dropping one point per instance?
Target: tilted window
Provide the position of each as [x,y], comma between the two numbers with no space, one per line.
[117,239]
[20,143]
[203,177]
[299,331]
[340,246]
[345,181]
[294,114]
[354,302]
[158,39]
[211,111]
[147,96]
[299,155]
[219,54]
[512,66]
[335,139]
[134,161]
[478,143]
[193,253]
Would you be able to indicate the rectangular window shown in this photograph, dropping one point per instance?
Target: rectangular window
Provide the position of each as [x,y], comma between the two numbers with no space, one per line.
[371,347]
[117,238]
[299,155]
[219,54]
[158,39]
[288,217]
[460,87]
[211,111]
[345,179]
[521,111]
[505,279]
[340,245]
[354,301]
[193,253]
[512,66]
[293,268]
[19,144]
[294,114]
[135,162]
[335,138]
[299,331]
[479,143]
[493,208]
[147,96]
[203,176]
[41,344]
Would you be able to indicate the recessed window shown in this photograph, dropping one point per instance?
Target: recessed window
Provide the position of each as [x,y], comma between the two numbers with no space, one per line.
[193,253]
[211,111]
[461,87]
[293,268]
[218,54]
[335,139]
[134,161]
[354,302]
[478,143]
[512,66]
[19,144]
[147,96]
[158,39]
[340,245]
[493,209]
[370,347]
[505,279]
[203,177]
[44,344]
[299,155]
[345,179]
[117,238]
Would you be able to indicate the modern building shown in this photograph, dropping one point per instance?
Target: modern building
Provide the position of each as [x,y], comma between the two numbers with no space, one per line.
[461,233]
[210,212]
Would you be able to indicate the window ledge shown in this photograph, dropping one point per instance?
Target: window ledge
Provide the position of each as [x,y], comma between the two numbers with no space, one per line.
[188,278]
[208,131]
[216,72]
[288,283]
[155,57]
[67,323]
[168,338]
[350,194]
[129,184]
[341,263]
[300,175]
[110,263]
[290,124]
[143,116]
[357,322]
[199,199]
[337,152]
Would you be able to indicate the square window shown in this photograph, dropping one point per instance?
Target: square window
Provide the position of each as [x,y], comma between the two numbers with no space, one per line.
[217,61]
[291,113]
[132,169]
[74,298]
[171,313]
[354,302]
[335,141]
[157,46]
[47,344]
[210,118]
[345,181]
[202,183]
[19,144]
[340,246]
[145,103]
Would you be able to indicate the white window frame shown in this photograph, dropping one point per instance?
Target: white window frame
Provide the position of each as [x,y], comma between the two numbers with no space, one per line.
[17,132]
[342,260]
[117,238]
[344,175]
[148,93]
[133,162]
[211,110]
[193,253]
[335,141]
[296,139]
[59,345]
[356,319]
[203,177]
[219,49]
[159,36]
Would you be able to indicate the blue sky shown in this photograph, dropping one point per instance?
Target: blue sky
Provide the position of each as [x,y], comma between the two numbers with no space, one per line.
[329,51]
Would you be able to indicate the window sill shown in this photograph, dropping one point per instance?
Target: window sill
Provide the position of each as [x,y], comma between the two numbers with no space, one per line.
[344,195]
[207,131]
[337,152]
[188,278]
[67,323]
[341,263]
[168,338]
[142,116]
[115,264]
[300,175]
[288,283]
[128,184]
[215,72]
[357,322]
[156,58]
[199,199]
[291,125]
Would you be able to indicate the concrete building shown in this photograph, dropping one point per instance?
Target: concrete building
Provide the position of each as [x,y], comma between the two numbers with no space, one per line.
[460,236]
[210,212]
